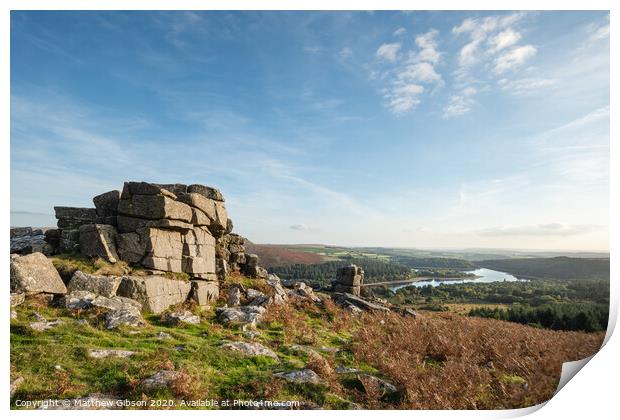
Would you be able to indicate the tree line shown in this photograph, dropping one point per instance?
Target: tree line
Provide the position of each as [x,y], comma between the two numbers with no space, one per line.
[375,270]
[573,317]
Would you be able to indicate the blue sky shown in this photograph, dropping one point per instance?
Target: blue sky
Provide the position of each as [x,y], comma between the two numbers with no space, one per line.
[423,129]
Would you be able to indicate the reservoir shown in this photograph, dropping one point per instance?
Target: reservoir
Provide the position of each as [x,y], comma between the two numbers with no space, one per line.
[484,275]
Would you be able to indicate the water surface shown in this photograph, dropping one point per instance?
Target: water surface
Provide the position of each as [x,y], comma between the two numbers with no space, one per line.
[485,275]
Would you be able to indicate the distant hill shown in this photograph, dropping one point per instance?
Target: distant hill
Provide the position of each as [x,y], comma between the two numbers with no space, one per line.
[552,268]
[278,255]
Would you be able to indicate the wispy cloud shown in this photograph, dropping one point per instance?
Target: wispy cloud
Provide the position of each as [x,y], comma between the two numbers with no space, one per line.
[302,227]
[525,86]
[598,30]
[345,53]
[494,46]
[514,58]
[399,32]
[549,229]
[388,52]
[414,73]
[460,103]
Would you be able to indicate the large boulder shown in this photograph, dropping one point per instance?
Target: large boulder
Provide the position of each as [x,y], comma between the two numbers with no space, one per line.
[351,275]
[162,379]
[98,241]
[74,217]
[305,376]
[346,299]
[182,317]
[101,285]
[242,315]
[175,189]
[84,299]
[69,241]
[106,204]
[205,292]
[250,349]
[301,289]
[128,317]
[156,293]
[35,273]
[349,279]
[144,188]
[155,207]
[209,192]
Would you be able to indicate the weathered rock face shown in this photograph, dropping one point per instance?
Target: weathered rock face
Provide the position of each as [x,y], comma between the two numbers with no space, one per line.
[106,206]
[98,241]
[162,379]
[349,280]
[304,376]
[250,349]
[163,227]
[101,285]
[246,316]
[35,273]
[205,292]
[160,227]
[74,217]
[178,318]
[156,293]
[352,301]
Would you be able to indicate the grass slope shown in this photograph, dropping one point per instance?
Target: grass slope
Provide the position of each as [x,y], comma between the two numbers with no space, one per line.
[436,360]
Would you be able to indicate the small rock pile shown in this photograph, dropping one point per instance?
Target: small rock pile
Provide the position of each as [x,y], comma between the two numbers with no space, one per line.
[349,279]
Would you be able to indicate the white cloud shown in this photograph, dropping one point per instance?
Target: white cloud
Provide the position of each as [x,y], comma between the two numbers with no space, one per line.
[420,72]
[427,43]
[493,43]
[388,52]
[400,32]
[598,31]
[345,53]
[525,86]
[410,78]
[503,40]
[516,57]
[402,97]
[460,104]
[479,29]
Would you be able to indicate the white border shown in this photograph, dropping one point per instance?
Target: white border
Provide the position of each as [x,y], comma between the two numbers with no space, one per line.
[591,395]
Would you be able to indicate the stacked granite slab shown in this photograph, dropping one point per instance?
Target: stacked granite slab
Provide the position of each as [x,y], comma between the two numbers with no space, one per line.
[168,228]
[349,279]
[163,228]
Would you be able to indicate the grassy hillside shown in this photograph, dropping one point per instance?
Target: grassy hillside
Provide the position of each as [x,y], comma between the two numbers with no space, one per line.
[436,361]
[553,268]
